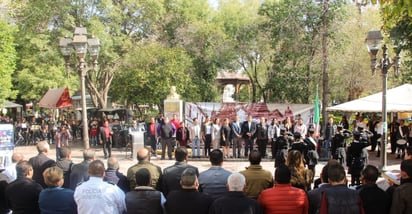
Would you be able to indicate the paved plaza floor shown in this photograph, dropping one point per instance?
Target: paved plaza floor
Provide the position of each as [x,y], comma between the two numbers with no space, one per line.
[233,165]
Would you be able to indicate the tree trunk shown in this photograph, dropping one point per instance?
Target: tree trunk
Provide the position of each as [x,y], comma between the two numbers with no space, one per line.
[325,84]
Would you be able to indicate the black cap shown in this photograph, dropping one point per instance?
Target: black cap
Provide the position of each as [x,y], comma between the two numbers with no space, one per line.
[297,135]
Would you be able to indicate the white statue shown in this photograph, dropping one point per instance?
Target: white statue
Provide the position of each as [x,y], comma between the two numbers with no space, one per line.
[228,92]
[173,94]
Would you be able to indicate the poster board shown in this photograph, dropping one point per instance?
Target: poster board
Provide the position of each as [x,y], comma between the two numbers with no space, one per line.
[6,144]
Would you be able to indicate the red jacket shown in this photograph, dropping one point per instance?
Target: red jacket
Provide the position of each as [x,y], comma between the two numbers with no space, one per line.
[283,198]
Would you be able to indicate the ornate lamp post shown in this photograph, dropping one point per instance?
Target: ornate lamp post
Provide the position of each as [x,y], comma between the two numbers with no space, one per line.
[373,43]
[81,44]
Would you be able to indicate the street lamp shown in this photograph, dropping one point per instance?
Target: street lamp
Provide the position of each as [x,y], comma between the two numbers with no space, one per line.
[81,44]
[373,43]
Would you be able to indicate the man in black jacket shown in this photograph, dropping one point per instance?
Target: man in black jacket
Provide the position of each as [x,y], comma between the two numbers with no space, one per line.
[374,199]
[22,195]
[188,200]
[171,175]
[144,198]
[235,201]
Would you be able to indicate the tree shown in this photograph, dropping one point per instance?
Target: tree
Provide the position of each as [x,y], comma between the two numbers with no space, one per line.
[149,72]
[396,16]
[294,28]
[8,57]
[248,48]
[39,66]
[188,25]
[350,75]
[118,25]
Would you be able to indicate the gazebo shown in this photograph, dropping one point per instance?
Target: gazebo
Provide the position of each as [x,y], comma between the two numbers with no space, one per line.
[234,78]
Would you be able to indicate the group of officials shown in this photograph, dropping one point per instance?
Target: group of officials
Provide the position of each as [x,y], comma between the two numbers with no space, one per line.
[240,135]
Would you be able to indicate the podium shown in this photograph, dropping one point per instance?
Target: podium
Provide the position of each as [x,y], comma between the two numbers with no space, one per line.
[137,142]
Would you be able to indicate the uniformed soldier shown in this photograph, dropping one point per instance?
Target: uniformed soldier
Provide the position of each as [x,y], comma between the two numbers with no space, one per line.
[299,145]
[355,161]
[281,148]
[339,144]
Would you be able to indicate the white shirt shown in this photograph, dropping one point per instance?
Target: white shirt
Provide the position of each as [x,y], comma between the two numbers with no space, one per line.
[98,197]
[10,171]
[301,129]
[208,129]
[379,128]
[274,131]
[196,131]
[216,131]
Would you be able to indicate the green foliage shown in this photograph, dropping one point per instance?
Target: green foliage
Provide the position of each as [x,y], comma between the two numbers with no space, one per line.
[149,72]
[397,16]
[247,49]
[148,46]
[7,60]
[295,32]
[351,75]
[40,67]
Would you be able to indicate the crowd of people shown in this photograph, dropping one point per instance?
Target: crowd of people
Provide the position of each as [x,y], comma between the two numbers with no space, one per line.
[42,185]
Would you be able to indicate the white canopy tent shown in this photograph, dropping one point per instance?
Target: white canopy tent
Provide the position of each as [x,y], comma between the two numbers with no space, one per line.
[398,99]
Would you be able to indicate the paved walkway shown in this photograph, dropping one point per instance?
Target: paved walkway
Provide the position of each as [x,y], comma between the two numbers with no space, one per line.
[233,165]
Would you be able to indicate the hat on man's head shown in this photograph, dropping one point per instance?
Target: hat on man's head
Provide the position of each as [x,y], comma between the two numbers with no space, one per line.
[297,135]
[356,134]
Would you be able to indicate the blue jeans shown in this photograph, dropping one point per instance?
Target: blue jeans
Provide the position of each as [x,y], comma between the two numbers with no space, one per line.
[93,141]
[196,143]
[326,153]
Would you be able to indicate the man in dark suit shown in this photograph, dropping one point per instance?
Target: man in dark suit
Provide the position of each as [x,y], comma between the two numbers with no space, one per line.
[41,162]
[105,139]
[182,134]
[248,134]
[236,130]
[171,175]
